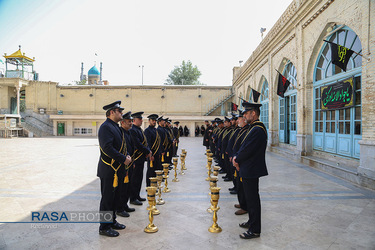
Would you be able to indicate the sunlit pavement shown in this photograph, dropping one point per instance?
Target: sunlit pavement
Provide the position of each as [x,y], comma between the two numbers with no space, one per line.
[302,208]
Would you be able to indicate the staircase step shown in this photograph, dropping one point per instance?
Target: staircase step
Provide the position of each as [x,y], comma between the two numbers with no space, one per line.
[345,172]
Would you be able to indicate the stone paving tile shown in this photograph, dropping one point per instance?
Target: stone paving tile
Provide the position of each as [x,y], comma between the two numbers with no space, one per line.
[302,208]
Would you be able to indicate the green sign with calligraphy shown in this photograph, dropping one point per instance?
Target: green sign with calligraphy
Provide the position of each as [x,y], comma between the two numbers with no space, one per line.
[338,95]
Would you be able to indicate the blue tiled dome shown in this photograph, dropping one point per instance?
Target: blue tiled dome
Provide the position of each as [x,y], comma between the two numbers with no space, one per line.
[94,71]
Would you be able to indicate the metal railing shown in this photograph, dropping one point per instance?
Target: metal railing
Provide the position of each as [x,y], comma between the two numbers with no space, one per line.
[217,102]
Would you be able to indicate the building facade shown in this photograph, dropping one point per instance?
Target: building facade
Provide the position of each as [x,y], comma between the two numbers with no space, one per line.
[339,140]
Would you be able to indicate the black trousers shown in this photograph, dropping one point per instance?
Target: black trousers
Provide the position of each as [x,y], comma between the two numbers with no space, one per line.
[168,159]
[240,192]
[229,167]
[175,149]
[125,190]
[151,170]
[251,190]
[212,146]
[110,200]
[136,179]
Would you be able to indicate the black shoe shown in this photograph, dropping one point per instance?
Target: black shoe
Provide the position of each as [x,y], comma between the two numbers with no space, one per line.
[170,168]
[249,235]
[122,213]
[245,225]
[221,172]
[109,232]
[141,199]
[118,226]
[233,192]
[136,202]
[227,179]
[129,209]
[232,189]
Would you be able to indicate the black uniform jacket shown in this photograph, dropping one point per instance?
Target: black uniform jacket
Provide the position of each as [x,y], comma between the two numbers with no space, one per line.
[176,134]
[251,156]
[140,144]
[232,139]
[112,148]
[163,139]
[154,140]
[206,139]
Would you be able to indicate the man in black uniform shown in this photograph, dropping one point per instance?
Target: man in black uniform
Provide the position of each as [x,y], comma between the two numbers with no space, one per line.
[211,133]
[233,146]
[176,136]
[113,158]
[170,139]
[206,141]
[141,152]
[154,142]
[219,149]
[125,179]
[228,146]
[224,143]
[215,138]
[163,138]
[250,161]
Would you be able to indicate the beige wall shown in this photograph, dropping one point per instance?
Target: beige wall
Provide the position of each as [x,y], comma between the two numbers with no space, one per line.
[178,100]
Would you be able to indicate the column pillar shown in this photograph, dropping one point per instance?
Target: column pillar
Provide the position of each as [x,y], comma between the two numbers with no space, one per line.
[18,99]
[69,128]
[192,129]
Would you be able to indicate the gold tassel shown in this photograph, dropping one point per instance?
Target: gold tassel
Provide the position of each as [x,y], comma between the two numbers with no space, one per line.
[235,173]
[162,158]
[151,164]
[168,154]
[222,156]
[241,179]
[126,179]
[115,180]
[176,144]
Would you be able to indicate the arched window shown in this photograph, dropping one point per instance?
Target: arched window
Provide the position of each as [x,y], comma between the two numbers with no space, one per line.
[288,107]
[344,37]
[338,130]
[264,100]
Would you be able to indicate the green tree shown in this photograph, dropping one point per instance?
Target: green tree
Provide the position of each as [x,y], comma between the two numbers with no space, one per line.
[83,82]
[185,74]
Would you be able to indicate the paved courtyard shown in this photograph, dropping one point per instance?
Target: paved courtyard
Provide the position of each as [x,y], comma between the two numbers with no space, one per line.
[302,208]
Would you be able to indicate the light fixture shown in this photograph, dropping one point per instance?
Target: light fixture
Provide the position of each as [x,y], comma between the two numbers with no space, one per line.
[91,95]
[162,96]
[262,30]
[127,95]
[61,95]
[199,96]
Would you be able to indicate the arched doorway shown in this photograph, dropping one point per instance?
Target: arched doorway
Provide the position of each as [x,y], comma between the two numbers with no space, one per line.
[338,131]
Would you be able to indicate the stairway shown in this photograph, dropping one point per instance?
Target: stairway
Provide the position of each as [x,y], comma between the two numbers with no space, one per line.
[218,102]
[40,125]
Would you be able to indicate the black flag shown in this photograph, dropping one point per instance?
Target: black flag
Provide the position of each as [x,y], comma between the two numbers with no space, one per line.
[340,55]
[256,95]
[234,107]
[282,85]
